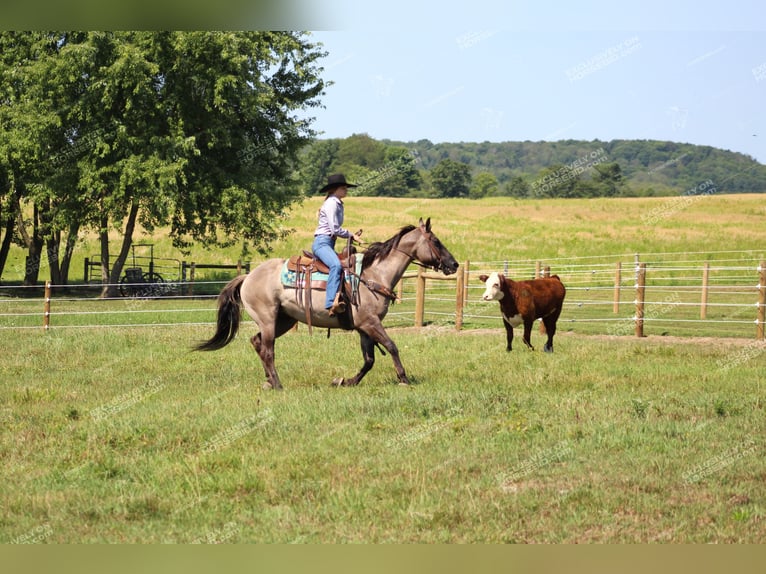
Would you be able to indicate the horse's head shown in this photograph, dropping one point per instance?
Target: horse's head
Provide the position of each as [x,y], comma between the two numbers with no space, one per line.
[431,253]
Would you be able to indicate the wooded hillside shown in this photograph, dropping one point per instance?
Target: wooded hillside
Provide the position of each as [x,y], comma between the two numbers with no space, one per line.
[567,168]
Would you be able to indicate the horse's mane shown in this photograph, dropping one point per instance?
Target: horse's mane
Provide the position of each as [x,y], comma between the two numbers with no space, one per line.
[380,249]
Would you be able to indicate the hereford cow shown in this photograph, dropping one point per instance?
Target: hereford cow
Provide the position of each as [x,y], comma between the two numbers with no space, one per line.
[525,301]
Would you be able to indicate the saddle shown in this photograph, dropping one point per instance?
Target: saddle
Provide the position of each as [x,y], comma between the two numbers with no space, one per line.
[305,272]
[306,261]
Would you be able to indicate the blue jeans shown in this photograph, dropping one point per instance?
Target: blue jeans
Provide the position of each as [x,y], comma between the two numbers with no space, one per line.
[324,248]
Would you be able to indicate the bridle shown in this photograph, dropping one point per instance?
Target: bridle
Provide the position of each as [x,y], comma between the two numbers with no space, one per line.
[434,251]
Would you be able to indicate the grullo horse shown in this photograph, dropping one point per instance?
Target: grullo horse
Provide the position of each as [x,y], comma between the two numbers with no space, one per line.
[276,307]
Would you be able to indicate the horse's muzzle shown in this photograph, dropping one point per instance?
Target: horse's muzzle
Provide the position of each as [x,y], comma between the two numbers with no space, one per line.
[449,267]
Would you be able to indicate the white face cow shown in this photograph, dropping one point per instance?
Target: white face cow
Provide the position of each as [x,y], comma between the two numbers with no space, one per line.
[493,292]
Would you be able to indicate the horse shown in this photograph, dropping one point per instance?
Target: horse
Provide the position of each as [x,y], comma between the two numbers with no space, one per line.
[276,308]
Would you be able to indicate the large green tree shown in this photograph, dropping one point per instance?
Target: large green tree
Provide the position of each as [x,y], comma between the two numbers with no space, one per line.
[451,178]
[196,130]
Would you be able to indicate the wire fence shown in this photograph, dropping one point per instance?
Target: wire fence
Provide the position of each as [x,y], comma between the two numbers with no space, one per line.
[716,294]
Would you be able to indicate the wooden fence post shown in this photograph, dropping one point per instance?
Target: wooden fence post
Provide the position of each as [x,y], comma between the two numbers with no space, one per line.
[239,267]
[640,294]
[761,302]
[459,298]
[190,285]
[705,281]
[47,306]
[420,297]
[537,269]
[617,281]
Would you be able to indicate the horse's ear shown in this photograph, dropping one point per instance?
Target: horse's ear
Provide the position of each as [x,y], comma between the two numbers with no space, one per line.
[420,222]
[428,224]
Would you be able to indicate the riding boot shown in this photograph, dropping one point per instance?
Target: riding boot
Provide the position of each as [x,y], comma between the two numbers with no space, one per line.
[338,306]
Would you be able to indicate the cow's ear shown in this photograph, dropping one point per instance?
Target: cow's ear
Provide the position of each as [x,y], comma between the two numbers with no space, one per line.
[483,278]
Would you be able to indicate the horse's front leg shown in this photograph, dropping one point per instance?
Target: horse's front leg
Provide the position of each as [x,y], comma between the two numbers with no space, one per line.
[379,335]
[368,354]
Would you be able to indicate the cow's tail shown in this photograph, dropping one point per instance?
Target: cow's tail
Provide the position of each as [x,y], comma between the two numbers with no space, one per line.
[229,312]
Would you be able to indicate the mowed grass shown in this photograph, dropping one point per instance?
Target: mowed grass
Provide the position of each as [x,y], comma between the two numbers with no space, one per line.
[123,435]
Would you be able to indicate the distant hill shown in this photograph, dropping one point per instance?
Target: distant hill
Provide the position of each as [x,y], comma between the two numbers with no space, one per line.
[649,167]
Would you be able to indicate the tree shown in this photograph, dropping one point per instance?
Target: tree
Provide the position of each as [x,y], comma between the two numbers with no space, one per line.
[195,130]
[517,187]
[484,185]
[396,178]
[315,163]
[451,178]
[608,177]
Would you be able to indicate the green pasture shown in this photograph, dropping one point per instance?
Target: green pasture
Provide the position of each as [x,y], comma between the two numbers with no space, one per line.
[123,435]
[113,431]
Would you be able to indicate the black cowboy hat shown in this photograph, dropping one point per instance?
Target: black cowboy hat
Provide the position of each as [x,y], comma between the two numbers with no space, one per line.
[336,180]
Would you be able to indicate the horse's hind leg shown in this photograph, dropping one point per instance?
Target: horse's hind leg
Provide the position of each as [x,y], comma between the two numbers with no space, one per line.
[264,343]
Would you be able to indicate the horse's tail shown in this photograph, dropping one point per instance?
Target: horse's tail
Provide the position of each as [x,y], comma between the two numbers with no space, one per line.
[229,311]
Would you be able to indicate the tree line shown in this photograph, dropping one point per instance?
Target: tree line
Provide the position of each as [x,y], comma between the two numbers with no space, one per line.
[570,168]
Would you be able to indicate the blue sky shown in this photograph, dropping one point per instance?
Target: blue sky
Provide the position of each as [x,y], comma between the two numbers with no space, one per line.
[515,71]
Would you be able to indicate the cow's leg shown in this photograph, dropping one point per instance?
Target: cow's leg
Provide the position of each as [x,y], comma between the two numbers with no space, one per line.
[528,333]
[508,335]
[550,329]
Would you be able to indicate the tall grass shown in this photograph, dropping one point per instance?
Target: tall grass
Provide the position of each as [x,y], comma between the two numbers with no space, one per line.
[499,229]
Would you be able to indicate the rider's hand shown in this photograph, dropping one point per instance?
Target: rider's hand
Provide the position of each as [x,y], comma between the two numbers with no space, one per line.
[357,237]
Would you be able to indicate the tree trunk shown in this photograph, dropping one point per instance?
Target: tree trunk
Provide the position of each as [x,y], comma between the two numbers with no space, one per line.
[111,289]
[5,247]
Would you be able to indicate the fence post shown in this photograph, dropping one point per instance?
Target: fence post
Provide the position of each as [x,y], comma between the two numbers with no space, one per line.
[239,267]
[537,269]
[761,301]
[85,274]
[459,297]
[640,294]
[420,297]
[617,281]
[705,281]
[47,306]
[190,286]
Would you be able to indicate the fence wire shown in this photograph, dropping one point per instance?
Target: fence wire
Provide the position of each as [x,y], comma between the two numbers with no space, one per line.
[693,293]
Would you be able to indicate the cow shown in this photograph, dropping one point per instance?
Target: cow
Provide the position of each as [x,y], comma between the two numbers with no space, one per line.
[525,301]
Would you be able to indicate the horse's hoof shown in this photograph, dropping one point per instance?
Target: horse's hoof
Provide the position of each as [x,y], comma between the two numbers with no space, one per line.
[266,386]
[338,382]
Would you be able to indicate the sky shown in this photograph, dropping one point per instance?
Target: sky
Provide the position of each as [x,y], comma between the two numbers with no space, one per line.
[498,71]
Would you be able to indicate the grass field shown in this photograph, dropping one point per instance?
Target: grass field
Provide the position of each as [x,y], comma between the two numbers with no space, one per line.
[120,434]
[125,436]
